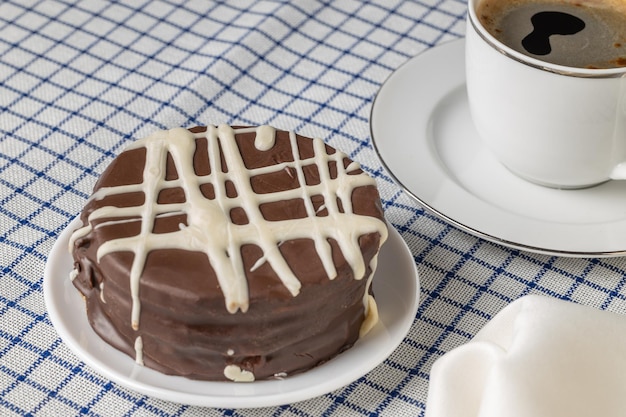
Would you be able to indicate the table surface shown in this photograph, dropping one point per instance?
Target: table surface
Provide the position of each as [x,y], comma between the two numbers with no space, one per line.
[79,80]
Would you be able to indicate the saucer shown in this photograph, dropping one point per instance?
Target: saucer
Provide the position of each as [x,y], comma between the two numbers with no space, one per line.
[395,285]
[423,133]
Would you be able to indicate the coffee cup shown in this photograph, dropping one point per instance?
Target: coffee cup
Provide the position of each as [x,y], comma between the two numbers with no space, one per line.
[548,119]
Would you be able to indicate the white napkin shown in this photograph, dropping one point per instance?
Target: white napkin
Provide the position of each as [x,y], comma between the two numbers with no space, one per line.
[538,357]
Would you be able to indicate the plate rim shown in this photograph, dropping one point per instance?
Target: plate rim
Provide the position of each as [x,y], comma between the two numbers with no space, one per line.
[281,395]
[459,43]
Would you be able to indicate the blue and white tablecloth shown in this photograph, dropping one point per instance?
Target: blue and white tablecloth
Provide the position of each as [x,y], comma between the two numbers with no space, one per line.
[81,79]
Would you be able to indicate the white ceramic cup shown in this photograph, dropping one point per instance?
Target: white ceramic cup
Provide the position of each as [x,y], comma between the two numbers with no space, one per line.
[553,125]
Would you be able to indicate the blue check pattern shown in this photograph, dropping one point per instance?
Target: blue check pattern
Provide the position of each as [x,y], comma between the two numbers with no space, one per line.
[81,79]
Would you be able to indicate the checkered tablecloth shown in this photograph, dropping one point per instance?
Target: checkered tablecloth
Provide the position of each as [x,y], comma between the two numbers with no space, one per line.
[79,80]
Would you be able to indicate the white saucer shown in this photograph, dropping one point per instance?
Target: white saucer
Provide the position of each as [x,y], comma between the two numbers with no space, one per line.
[423,133]
[396,286]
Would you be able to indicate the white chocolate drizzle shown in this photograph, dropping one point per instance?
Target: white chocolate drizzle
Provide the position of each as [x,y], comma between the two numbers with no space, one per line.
[371,318]
[139,350]
[235,373]
[209,228]
[101,286]
[265,138]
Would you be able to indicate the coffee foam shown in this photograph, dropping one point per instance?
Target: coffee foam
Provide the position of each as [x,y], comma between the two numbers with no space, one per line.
[601,44]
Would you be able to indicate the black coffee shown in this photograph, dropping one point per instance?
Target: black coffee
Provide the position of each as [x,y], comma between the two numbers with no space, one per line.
[584,34]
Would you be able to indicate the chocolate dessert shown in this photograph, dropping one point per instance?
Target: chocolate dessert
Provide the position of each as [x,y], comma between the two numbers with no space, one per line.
[230,253]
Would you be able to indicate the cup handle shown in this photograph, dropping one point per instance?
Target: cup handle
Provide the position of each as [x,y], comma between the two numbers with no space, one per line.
[619,172]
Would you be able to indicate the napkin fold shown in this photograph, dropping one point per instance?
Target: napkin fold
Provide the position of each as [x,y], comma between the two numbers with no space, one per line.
[538,357]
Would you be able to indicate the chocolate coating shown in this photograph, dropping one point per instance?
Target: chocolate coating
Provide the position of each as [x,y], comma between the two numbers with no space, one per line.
[185,326]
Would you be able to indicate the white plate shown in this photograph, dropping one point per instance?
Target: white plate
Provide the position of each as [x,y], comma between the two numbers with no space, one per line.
[423,133]
[396,286]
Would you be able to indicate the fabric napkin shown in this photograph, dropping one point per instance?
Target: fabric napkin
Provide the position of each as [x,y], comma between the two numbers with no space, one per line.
[538,357]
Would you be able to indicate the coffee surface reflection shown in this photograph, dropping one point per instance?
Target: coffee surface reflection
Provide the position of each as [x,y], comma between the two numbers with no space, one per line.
[588,34]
